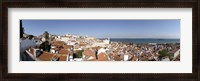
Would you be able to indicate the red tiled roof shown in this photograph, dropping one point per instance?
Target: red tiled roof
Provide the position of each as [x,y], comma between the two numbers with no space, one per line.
[67,46]
[117,58]
[142,54]
[130,55]
[82,44]
[121,56]
[45,56]
[58,43]
[134,58]
[63,51]
[57,49]
[62,58]
[102,57]
[89,52]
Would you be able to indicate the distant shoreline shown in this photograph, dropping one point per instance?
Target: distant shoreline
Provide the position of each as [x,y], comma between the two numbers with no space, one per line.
[140,38]
[159,41]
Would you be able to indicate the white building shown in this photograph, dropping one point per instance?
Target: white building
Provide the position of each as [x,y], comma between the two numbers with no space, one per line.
[71,43]
[126,57]
[107,41]
[177,53]
[102,50]
[65,39]
[101,44]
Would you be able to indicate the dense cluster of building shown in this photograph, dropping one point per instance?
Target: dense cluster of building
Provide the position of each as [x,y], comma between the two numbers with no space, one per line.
[72,47]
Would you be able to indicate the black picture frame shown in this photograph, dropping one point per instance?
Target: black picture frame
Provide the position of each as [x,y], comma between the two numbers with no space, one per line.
[194,4]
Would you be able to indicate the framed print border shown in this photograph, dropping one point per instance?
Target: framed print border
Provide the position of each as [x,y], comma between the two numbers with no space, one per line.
[194,4]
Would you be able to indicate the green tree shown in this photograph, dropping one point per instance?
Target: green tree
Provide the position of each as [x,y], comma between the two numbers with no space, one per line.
[79,54]
[164,53]
[46,35]
[45,46]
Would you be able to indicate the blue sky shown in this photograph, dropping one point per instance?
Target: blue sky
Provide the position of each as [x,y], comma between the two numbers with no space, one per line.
[106,28]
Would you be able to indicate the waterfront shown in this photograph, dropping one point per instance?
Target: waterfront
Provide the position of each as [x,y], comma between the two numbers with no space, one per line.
[145,40]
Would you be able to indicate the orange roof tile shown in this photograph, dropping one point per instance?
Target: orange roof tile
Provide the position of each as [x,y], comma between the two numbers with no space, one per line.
[142,54]
[117,58]
[102,57]
[57,49]
[82,44]
[121,56]
[63,51]
[67,46]
[62,58]
[58,43]
[89,52]
[134,58]
[45,56]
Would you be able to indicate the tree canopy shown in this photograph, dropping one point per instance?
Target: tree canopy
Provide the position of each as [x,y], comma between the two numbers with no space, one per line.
[79,54]
[163,53]
[46,35]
